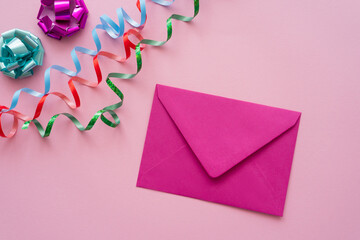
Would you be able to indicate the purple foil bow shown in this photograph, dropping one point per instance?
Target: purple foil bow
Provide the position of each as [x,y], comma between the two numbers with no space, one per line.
[62,18]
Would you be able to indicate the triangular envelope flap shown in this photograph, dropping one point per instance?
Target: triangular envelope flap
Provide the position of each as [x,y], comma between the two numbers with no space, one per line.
[223,132]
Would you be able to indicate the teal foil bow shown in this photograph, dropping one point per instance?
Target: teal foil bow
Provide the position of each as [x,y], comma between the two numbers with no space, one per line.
[20,52]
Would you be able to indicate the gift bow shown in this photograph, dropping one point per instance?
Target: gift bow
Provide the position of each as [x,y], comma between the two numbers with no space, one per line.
[20,52]
[68,19]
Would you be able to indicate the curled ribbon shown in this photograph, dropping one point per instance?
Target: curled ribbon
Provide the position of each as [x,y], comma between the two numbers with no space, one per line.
[62,18]
[110,109]
[20,52]
[114,31]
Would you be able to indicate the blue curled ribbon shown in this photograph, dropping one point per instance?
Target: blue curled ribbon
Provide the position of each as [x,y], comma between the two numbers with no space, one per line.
[111,28]
[20,52]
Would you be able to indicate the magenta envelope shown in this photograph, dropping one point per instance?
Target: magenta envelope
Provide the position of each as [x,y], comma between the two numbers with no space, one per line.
[219,150]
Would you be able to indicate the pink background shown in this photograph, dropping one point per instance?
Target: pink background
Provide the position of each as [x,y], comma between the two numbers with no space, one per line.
[301,55]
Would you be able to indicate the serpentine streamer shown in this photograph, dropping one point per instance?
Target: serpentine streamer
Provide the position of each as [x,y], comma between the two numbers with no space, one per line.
[110,109]
[113,30]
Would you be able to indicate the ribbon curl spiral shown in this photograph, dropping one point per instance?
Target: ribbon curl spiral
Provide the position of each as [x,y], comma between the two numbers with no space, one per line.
[114,31]
[110,109]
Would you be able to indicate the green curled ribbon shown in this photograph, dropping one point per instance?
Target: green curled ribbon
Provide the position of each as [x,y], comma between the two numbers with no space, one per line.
[20,52]
[110,109]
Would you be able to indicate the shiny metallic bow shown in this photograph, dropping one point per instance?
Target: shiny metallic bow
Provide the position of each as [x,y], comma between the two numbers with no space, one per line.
[62,18]
[20,52]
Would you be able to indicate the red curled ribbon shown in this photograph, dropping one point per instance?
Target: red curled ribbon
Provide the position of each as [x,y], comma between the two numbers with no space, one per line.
[128,45]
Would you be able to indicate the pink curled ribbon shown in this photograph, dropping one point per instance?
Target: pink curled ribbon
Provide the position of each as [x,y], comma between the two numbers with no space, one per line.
[62,18]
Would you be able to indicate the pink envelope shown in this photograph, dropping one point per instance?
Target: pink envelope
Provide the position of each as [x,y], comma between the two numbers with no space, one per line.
[219,150]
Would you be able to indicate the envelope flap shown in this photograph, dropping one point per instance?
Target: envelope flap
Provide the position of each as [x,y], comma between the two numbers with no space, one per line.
[222,132]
